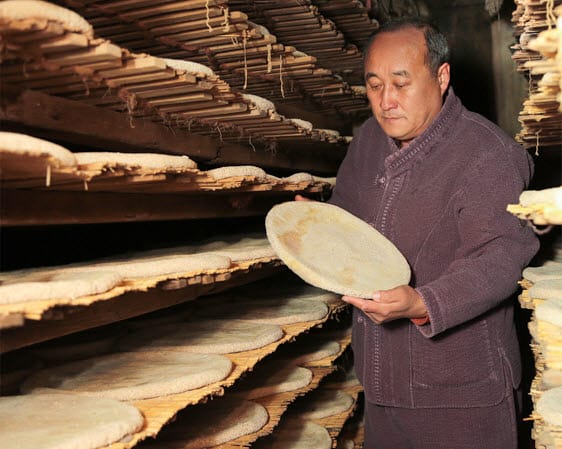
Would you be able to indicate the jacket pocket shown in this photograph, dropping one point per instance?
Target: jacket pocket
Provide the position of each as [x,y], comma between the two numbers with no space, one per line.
[461,357]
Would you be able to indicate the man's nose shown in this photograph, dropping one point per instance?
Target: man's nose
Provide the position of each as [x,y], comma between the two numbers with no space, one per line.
[387,98]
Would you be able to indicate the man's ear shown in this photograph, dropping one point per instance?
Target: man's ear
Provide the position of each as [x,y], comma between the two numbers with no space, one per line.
[444,76]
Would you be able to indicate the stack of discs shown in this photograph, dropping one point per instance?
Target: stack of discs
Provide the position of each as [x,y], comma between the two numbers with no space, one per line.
[543,295]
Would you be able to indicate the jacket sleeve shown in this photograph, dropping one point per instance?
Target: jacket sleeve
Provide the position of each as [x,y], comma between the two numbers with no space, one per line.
[342,195]
[495,245]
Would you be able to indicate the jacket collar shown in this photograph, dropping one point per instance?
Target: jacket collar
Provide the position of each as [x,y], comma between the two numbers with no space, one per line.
[401,159]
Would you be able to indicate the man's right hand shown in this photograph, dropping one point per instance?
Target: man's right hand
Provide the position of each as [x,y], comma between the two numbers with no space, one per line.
[302,198]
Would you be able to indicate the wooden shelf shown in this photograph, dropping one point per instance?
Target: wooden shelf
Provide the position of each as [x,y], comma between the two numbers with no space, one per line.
[64,320]
[54,118]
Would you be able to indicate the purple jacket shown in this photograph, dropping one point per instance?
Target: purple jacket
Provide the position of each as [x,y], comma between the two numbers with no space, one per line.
[442,201]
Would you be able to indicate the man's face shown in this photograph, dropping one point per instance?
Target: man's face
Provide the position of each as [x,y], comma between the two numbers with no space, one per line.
[404,96]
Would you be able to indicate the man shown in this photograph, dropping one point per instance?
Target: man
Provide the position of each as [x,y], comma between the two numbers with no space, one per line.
[439,358]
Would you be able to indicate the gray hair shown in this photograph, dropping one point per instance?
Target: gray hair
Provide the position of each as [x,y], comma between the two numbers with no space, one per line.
[438,51]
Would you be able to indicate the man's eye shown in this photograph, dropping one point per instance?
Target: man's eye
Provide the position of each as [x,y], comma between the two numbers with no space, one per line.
[375,86]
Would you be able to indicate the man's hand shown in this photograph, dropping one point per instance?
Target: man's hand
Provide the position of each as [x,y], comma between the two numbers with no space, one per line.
[302,198]
[388,305]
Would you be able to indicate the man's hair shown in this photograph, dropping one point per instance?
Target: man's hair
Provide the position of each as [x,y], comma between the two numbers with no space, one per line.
[437,46]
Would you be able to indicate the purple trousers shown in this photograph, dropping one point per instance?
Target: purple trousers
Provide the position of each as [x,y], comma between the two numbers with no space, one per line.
[451,428]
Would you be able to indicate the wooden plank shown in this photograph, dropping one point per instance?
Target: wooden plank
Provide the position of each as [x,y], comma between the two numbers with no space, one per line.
[236,54]
[192,110]
[205,36]
[135,66]
[68,42]
[212,23]
[279,9]
[181,99]
[25,32]
[135,5]
[219,112]
[31,70]
[163,91]
[141,78]
[53,82]
[252,115]
[152,20]
[102,52]
[204,42]
[155,89]
[257,42]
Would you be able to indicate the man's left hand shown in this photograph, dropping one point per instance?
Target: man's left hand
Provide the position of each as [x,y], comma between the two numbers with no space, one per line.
[388,305]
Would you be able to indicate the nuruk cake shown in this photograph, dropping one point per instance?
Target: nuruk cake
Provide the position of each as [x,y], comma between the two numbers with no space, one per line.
[65,421]
[549,406]
[332,249]
[279,311]
[133,375]
[216,422]
[274,378]
[206,336]
[297,434]
[323,403]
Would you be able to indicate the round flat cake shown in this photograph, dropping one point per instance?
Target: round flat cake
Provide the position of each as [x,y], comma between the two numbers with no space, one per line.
[332,249]
[323,403]
[278,311]
[310,350]
[65,421]
[277,378]
[546,289]
[235,171]
[296,434]
[148,161]
[62,285]
[40,10]
[218,421]
[550,311]
[549,406]
[549,270]
[205,336]
[283,287]
[133,375]
[22,143]
[189,66]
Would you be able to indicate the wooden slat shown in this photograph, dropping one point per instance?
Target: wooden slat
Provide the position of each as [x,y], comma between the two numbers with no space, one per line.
[160,15]
[124,5]
[104,52]
[68,42]
[201,24]
[181,99]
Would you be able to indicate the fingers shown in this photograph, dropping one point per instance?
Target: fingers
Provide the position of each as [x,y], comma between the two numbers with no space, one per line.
[366,305]
[387,305]
[376,312]
[301,198]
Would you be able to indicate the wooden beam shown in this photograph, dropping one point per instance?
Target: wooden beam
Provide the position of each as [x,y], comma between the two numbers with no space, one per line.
[57,118]
[22,207]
